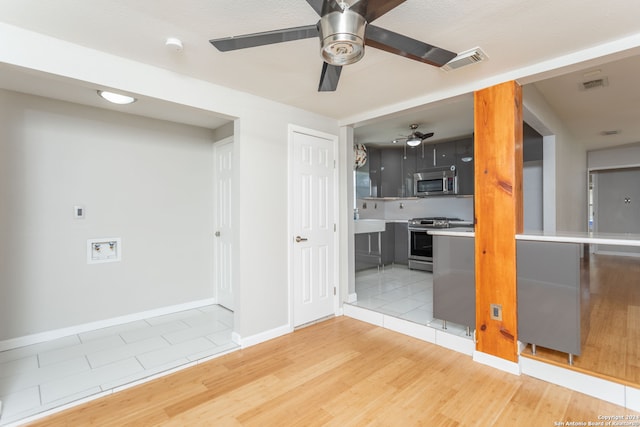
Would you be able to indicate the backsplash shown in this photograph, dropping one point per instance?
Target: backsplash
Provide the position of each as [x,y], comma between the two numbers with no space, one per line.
[401,209]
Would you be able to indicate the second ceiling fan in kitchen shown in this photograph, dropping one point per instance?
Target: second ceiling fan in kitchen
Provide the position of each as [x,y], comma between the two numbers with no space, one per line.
[344,28]
[415,138]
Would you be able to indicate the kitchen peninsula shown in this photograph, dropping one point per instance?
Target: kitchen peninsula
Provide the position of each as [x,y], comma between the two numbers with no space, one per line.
[553,289]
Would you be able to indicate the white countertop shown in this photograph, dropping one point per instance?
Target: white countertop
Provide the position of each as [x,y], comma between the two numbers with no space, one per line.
[369,226]
[620,239]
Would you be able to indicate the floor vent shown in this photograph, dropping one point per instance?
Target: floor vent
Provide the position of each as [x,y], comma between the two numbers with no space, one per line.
[465,58]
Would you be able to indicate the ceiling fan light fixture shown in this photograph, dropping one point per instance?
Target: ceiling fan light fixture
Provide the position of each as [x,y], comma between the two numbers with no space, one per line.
[414,142]
[342,37]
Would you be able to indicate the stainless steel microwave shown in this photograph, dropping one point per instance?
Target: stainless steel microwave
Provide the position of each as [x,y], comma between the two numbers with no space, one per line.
[436,182]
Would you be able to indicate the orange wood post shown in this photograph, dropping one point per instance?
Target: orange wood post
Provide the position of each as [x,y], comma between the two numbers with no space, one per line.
[498,215]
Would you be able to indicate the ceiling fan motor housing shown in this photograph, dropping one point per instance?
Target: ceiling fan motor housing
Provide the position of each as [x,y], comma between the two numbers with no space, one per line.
[342,37]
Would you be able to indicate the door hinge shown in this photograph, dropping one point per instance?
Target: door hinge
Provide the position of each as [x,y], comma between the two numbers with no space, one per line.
[334,290]
[334,227]
[334,164]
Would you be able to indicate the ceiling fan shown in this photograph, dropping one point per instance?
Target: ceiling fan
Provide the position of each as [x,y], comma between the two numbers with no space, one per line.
[344,28]
[415,138]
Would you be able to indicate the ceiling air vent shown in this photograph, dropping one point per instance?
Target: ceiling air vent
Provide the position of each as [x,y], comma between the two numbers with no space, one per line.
[594,83]
[465,58]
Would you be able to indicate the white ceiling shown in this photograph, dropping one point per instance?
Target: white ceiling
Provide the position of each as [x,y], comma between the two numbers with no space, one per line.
[515,34]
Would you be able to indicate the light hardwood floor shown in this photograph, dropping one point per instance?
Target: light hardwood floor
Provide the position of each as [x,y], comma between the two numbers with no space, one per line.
[612,347]
[340,372]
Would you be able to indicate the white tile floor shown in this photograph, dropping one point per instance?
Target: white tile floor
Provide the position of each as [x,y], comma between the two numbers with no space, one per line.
[40,377]
[400,292]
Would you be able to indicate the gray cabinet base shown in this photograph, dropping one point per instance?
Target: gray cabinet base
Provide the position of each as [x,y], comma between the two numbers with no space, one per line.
[553,296]
[454,285]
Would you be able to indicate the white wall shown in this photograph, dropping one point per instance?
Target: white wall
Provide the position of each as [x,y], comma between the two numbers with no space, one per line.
[625,156]
[532,199]
[570,183]
[145,181]
[260,152]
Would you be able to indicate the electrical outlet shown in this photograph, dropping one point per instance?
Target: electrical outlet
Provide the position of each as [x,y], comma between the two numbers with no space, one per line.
[496,311]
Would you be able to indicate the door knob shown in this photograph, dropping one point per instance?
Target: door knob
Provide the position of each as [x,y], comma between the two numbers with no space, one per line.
[217,234]
[300,239]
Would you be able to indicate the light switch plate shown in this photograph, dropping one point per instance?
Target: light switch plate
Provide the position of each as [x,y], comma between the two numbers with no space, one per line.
[78,212]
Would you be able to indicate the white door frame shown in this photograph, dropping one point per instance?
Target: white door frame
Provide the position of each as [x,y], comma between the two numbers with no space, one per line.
[290,227]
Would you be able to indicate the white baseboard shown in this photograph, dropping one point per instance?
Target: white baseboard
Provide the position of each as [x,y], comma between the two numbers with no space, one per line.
[496,362]
[91,326]
[593,386]
[412,329]
[364,315]
[457,343]
[251,340]
[632,398]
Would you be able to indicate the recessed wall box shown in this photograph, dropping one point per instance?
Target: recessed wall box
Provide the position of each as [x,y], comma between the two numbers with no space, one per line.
[496,311]
[104,250]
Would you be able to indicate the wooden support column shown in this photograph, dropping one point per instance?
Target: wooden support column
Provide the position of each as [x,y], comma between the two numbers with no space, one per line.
[498,215]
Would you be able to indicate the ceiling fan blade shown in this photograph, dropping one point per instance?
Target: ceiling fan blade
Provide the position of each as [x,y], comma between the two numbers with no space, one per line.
[329,77]
[322,7]
[424,136]
[373,9]
[269,37]
[405,46]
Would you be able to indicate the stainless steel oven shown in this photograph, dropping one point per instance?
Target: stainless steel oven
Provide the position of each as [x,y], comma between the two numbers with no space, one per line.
[421,242]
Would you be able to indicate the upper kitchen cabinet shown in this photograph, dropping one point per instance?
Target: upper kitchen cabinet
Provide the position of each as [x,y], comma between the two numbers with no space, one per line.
[388,172]
[373,167]
[385,172]
[391,176]
[436,155]
[409,167]
[445,154]
[464,166]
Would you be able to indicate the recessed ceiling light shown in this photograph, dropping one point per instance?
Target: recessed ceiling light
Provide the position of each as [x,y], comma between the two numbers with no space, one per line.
[116,98]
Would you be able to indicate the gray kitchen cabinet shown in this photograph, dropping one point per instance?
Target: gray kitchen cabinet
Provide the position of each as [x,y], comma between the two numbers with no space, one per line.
[436,155]
[465,166]
[367,251]
[409,164]
[454,285]
[388,244]
[445,154]
[401,254]
[426,157]
[371,252]
[553,295]
[375,172]
[391,172]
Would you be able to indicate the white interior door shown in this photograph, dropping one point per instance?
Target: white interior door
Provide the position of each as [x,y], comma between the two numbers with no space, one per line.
[313,230]
[223,169]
